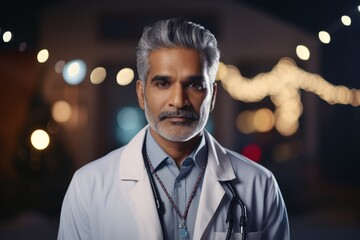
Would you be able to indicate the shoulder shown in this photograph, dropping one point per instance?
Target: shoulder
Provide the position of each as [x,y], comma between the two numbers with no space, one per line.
[254,176]
[118,162]
[103,163]
[243,167]
[106,167]
[240,161]
[250,172]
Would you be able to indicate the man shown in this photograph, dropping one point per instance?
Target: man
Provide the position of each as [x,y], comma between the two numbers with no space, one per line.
[173,180]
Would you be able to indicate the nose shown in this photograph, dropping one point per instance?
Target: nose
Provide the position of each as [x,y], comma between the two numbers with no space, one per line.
[178,97]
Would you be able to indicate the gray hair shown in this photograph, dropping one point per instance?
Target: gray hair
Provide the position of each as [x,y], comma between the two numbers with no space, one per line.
[173,33]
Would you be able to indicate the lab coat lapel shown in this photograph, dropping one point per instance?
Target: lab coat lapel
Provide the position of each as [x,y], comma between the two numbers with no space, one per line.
[145,210]
[212,191]
[132,168]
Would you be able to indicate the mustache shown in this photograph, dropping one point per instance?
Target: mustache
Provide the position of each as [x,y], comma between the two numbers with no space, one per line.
[178,113]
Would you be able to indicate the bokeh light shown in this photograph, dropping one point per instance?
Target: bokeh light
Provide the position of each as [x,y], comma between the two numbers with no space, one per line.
[61,111]
[74,72]
[43,55]
[59,66]
[346,20]
[125,76]
[40,139]
[222,71]
[286,127]
[263,120]
[129,121]
[252,151]
[244,122]
[324,37]
[302,52]
[97,75]
[7,36]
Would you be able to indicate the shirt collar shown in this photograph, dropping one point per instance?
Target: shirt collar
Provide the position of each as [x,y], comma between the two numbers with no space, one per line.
[157,155]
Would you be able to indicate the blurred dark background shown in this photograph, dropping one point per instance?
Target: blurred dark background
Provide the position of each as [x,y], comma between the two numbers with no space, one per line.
[316,166]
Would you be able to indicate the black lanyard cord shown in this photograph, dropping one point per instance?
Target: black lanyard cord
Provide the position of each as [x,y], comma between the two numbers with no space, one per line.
[158,201]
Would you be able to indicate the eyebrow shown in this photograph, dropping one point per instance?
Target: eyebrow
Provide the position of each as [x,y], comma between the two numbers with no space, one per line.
[195,78]
[159,77]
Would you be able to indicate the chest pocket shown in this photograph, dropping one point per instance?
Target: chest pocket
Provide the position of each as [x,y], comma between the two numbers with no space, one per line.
[237,236]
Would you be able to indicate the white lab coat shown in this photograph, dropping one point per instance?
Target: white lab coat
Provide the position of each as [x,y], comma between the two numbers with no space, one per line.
[111,198]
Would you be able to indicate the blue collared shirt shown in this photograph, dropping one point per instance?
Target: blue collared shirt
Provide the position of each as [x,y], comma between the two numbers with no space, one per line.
[179,183]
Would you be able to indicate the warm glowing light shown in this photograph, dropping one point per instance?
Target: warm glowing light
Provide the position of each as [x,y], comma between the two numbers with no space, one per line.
[222,71]
[346,20]
[40,139]
[98,75]
[344,95]
[285,126]
[245,123]
[357,96]
[302,52]
[125,76]
[324,37]
[74,72]
[61,111]
[263,120]
[43,56]
[7,36]
[282,84]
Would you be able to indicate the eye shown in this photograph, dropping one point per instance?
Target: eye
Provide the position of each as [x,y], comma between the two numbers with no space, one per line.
[161,83]
[198,85]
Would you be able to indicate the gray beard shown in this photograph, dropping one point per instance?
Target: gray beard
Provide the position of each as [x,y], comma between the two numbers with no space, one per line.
[189,131]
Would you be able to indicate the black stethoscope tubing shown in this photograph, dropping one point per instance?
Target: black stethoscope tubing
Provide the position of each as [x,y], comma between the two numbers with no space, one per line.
[159,204]
[230,216]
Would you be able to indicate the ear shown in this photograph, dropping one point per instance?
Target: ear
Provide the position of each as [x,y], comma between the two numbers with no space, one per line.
[140,94]
[213,97]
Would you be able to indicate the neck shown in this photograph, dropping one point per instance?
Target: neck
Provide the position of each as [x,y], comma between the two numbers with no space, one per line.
[176,150]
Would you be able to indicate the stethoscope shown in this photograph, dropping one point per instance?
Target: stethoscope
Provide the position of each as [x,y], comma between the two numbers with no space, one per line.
[235,200]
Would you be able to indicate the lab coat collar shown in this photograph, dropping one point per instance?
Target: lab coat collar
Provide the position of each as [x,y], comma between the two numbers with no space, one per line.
[132,168]
[131,161]
[222,171]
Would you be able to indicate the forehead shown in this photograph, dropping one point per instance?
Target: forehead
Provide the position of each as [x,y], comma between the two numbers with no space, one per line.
[177,59]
